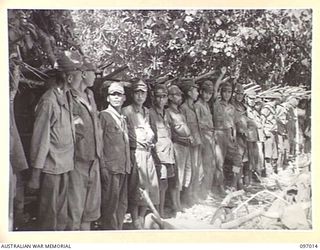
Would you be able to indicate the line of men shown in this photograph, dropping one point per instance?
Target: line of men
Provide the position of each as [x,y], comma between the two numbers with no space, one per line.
[91,165]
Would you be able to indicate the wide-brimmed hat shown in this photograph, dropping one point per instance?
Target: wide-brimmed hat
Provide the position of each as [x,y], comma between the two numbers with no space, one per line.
[69,61]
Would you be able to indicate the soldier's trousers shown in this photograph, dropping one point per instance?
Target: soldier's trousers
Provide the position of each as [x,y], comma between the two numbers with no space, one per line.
[253,156]
[84,194]
[208,162]
[226,149]
[261,164]
[114,199]
[183,163]
[197,169]
[271,147]
[284,148]
[53,205]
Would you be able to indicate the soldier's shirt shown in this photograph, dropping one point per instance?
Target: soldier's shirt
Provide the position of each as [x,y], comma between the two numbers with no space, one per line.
[87,128]
[139,130]
[163,145]
[224,115]
[115,141]
[252,121]
[241,113]
[178,125]
[269,120]
[193,121]
[205,118]
[52,144]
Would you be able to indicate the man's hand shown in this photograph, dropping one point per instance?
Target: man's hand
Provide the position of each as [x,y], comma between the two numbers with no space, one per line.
[33,184]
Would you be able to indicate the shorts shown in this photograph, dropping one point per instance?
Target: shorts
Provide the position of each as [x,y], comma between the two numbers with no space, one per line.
[143,176]
[271,148]
[183,164]
[165,171]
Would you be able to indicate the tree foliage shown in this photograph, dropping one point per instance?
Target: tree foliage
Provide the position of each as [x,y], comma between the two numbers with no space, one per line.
[35,38]
[269,47]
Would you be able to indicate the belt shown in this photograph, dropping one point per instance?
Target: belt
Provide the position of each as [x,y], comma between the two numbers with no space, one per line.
[141,149]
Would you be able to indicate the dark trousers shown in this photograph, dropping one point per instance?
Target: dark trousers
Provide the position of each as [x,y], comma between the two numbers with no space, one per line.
[53,207]
[114,200]
[226,149]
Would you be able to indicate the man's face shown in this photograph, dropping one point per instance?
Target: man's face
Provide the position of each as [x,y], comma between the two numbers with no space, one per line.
[226,94]
[250,101]
[258,106]
[74,77]
[116,99]
[193,93]
[88,78]
[161,100]
[139,97]
[239,97]
[204,95]
[175,98]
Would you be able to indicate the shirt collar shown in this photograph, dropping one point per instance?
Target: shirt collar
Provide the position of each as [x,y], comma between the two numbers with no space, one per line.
[61,96]
[114,111]
[143,110]
[76,94]
[174,109]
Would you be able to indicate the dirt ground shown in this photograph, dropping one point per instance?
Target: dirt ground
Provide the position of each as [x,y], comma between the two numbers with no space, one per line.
[279,201]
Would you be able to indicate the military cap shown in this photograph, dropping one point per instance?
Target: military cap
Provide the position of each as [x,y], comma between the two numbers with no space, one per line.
[258,100]
[116,87]
[140,85]
[239,89]
[226,85]
[207,86]
[160,89]
[275,95]
[174,90]
[187,85]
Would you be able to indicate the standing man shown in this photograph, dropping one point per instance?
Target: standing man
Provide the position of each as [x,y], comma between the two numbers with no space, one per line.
[207,134]
[18,163]
[182,140]
[84,194]
[116,165]
[282,135]
[252,138]
[242,128]
[224,119]
[52,145]
[141,139]
[268,113]
[261,135]
[190,90]
[163,153]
